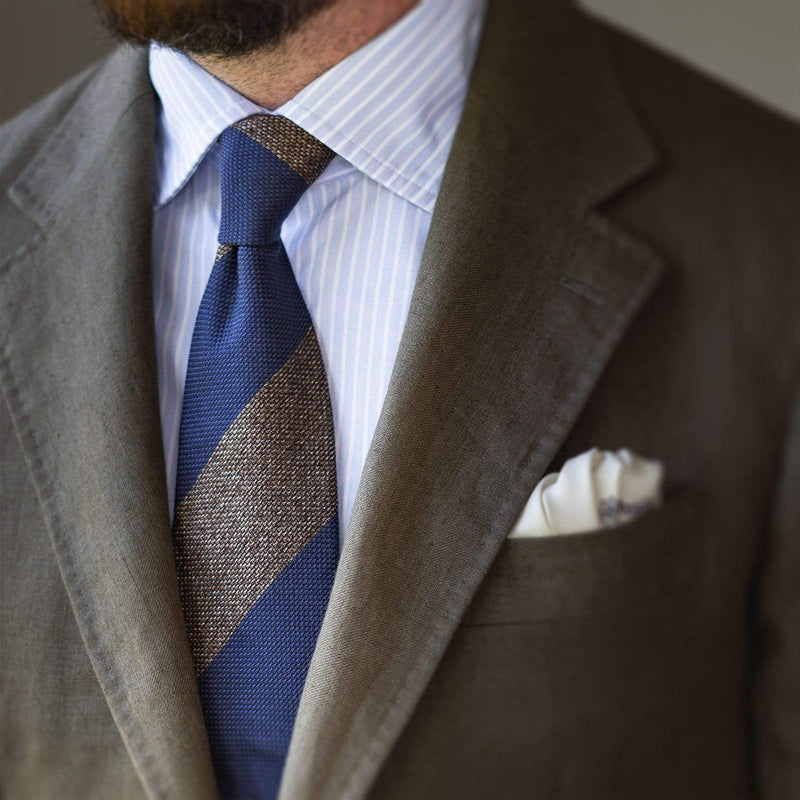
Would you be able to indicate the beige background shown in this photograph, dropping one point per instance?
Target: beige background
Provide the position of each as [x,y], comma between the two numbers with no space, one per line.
[753,45]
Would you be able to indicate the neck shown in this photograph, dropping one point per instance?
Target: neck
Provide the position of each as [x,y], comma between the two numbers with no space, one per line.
[271,77]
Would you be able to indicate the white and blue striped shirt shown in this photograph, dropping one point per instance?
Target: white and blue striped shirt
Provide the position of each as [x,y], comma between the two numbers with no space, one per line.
[389,111]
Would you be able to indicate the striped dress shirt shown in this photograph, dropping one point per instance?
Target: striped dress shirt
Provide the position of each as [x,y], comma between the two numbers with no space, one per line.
[389,112]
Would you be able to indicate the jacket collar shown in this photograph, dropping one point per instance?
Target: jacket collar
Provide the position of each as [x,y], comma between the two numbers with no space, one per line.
[523,293]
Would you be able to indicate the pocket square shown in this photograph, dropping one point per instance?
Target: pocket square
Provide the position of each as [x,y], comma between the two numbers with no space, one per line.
[597,489]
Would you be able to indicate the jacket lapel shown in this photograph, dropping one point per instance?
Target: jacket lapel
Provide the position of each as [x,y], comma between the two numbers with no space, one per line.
[523,293]
[79,369]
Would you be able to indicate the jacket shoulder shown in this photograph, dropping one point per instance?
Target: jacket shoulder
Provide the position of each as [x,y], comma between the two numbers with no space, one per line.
[690,113]
[24,135]
[722,203]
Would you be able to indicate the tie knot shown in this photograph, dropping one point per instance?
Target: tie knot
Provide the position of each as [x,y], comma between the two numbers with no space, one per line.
[266,163]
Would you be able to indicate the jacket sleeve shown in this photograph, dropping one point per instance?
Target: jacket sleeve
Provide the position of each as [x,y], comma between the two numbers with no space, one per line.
[778,674]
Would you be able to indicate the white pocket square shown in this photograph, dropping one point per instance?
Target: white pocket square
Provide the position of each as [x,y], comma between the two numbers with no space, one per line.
[597,489]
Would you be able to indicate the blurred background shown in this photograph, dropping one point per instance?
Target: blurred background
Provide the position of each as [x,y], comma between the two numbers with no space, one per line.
[753,45]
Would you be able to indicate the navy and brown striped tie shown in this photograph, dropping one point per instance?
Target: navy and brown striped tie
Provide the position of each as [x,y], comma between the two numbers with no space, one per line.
[255,534]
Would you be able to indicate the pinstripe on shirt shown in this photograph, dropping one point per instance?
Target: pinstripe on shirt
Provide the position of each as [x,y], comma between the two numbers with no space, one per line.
[389,111]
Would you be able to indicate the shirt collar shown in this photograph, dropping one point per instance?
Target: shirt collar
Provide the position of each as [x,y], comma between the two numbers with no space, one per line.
[390,109]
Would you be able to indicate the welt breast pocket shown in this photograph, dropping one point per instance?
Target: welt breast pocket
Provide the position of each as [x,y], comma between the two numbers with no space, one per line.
[639,566]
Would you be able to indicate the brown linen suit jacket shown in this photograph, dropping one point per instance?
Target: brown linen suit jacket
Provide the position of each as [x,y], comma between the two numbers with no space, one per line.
[613,261]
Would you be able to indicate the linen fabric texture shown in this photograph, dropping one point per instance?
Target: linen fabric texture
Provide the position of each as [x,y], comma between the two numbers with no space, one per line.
[612,260]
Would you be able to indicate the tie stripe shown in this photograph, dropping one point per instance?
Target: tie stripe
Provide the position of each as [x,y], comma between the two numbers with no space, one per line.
[302,153]
[250,692]
[231,565]
[251,319]
[256,530]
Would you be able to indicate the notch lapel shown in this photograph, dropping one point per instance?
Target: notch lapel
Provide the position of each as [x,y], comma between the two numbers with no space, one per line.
[523,293]
[78,365]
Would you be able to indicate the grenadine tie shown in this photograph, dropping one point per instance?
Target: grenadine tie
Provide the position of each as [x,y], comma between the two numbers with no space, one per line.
[255,533]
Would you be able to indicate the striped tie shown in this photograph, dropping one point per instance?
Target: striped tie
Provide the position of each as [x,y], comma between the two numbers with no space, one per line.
[256,532]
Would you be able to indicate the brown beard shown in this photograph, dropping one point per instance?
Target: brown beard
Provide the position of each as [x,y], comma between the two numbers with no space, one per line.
[221,28]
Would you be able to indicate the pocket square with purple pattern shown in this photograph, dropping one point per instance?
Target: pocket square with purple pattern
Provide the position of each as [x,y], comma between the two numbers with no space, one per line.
[597,489]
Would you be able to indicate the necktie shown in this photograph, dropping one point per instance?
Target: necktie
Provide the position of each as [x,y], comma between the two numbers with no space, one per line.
[255,532]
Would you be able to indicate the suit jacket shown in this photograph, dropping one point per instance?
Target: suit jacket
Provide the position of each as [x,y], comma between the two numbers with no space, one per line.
[612,261]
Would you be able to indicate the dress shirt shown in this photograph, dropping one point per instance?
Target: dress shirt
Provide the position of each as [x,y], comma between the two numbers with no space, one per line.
[389,111]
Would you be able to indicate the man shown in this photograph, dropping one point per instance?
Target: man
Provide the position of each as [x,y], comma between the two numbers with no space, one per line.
[258,494]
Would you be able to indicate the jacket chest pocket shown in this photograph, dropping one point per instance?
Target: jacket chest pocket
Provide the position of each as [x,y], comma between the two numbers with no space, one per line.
[656,559]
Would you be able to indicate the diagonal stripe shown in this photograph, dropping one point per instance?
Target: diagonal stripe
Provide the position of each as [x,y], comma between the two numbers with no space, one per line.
[251,690]
[298,149]
[223,250]
[253,508]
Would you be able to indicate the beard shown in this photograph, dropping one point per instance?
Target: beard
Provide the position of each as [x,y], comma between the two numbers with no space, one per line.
[219,28]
